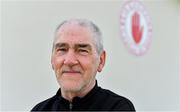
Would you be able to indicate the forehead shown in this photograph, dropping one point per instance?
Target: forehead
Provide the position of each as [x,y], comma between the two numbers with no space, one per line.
[74,33]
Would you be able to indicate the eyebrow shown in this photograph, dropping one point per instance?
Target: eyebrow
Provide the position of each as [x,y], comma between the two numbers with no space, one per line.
[58,45]
[88,46]
[80,45]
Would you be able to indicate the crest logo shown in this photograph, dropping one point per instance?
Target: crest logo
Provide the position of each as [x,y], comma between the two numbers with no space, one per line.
[135,27]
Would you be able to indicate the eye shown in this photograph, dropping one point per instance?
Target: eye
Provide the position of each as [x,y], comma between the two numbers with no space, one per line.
[61,50]
[83,51]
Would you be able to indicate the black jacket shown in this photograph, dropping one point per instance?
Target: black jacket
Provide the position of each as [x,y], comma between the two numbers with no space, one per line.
[97,99]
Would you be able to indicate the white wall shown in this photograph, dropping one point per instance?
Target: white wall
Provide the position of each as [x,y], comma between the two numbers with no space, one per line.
[151,82]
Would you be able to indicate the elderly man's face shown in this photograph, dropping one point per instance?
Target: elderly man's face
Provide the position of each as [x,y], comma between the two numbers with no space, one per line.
[75,59]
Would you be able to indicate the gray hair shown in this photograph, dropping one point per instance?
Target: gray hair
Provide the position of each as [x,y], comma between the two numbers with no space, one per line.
[97,35]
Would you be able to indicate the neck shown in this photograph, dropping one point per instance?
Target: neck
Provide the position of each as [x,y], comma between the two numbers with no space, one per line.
[69,95]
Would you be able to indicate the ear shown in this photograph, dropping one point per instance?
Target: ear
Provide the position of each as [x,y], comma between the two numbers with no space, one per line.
[52,62]
[102,61]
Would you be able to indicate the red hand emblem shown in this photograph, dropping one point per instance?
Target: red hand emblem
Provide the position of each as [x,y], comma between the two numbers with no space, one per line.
[137,30]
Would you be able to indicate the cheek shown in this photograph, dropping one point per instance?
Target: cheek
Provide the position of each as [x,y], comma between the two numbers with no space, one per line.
[57,62]
[89,65]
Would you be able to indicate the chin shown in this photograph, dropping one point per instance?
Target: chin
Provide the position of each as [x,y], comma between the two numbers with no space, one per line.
[70,85]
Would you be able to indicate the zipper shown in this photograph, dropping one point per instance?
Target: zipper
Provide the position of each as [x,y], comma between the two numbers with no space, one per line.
[70,106]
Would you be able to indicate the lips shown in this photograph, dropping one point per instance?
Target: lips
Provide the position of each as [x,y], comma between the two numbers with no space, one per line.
[71,72]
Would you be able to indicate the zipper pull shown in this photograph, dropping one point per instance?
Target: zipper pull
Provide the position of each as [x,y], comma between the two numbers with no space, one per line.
[70,106]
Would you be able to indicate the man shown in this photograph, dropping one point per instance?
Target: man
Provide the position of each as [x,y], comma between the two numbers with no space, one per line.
[77,56]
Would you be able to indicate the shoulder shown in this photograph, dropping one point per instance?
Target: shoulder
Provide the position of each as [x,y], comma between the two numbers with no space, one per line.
[118,102]
[44,104]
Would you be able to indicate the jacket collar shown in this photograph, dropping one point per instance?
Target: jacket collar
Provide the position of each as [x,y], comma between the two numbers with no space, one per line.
[78,100]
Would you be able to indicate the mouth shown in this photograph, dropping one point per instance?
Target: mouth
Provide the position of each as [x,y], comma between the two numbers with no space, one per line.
[71,72]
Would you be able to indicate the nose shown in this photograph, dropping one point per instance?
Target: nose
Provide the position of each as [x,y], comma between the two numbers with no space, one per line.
[70,58]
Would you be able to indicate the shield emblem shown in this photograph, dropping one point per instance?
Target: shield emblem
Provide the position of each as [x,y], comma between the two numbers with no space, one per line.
[135,27]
